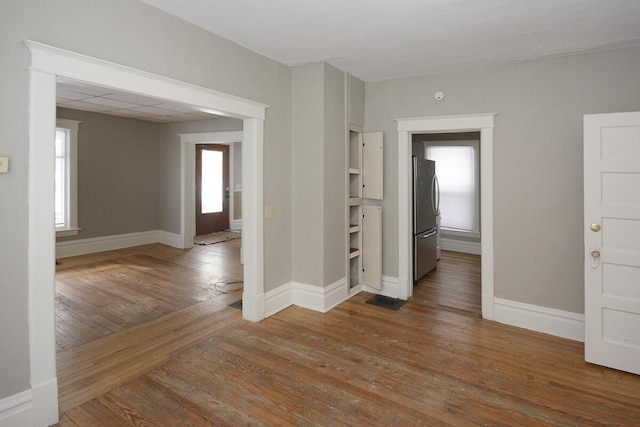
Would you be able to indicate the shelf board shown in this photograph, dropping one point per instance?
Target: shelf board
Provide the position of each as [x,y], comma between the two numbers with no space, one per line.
[353,228]
[353,252]
[354,171]
[355,201]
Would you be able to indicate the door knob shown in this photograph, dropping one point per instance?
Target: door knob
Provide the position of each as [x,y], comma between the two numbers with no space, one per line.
[595,227]
[595,254]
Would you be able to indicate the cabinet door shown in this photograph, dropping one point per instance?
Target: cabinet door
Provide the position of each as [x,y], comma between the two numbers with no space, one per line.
[372,246]
[372,163]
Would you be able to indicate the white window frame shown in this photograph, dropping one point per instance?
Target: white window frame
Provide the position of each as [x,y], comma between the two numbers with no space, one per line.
[70,227]
[476,199]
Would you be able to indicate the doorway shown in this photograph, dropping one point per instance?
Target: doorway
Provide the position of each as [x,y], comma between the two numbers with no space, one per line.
[446,124]
[212,188]
[455,282]
[48,63]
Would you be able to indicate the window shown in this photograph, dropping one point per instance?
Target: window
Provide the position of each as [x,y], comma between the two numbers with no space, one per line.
[458,171]
[66,177]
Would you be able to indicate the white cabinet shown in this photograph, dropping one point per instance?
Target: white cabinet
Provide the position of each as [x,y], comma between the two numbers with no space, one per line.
[372,246]
[372,165]
[365,182]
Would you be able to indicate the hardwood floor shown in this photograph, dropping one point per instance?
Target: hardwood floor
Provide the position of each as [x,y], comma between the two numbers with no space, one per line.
[360,364]
[454,285]
[121,313]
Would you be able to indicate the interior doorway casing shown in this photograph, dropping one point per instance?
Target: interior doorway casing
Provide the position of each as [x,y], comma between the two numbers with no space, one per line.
[187,176]
[446,124]
[47,64]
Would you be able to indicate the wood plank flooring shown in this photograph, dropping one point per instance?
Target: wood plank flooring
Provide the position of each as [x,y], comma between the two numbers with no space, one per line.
[122,313]
[364,365]
[455,284]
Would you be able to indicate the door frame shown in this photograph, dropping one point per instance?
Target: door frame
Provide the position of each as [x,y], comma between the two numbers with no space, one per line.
[483,123]
[48,63]
[187,177]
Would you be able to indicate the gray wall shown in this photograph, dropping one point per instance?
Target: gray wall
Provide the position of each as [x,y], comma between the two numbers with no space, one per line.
[319,199]
[308,182]
[334,173]
[133,34]
[117,174]
[538,202]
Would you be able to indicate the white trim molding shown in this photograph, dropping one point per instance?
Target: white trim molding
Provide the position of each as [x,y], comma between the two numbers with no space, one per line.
[318,298]
[17,410]
[559,323]
[311,297]
[188,180]
[279,298]
[119,241]
[454,245]
[169,239]
[105,243]
[436,124]
[389,287]
[46,65]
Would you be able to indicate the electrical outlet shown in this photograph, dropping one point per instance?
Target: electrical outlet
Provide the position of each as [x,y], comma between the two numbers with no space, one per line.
[4,164]
[268,212]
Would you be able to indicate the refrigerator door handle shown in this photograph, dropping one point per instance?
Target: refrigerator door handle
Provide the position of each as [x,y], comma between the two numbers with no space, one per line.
[437,194]
[433,194]
[429,234]
[414,160]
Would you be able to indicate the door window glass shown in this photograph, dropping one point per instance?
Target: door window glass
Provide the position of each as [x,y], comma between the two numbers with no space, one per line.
[211,188]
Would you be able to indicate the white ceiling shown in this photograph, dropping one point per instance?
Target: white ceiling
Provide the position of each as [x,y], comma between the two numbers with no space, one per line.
[383,39]
[87,97]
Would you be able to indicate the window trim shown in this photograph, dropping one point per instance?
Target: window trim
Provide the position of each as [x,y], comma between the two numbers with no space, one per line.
[476,199]
[70,227]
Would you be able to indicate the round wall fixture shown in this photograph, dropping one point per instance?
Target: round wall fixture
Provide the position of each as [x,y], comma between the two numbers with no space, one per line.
[439,95]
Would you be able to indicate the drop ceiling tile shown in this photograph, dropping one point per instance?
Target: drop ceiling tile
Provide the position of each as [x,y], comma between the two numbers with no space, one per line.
[68,94]
[87,106]
[180,108]
[134,98]
[85,89]
[111,102]
[131,113]
[154,111]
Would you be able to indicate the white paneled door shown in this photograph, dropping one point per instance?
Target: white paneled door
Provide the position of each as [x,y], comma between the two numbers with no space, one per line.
[612,240]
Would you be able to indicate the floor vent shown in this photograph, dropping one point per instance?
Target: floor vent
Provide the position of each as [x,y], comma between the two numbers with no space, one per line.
[386,302]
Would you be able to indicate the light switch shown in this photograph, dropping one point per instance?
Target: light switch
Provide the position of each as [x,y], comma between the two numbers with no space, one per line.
[268,212]
[4,164]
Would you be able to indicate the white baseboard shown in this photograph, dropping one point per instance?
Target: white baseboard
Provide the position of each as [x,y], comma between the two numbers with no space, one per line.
[170,239]
[389,287]
[17,410]
[320,299]
[119,241]
[236,224]
[278,299]
[105,243]
[550,321]
[453,245]
[307,296]
[45,403]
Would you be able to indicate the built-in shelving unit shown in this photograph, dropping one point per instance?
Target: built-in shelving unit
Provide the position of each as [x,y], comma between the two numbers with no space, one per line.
[355,209]
[364,222]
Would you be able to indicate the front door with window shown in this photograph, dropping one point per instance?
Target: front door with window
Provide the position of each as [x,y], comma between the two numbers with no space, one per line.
[212,188]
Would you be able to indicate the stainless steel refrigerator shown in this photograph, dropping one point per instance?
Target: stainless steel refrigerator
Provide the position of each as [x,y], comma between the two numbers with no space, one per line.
[426,199]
